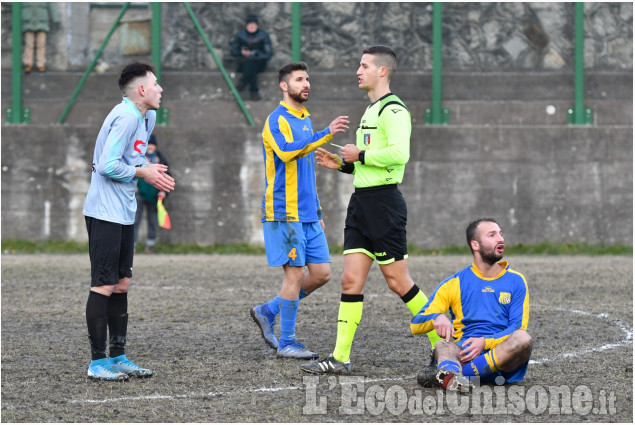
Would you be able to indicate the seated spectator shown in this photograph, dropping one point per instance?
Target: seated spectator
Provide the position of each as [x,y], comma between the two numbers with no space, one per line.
[252,48]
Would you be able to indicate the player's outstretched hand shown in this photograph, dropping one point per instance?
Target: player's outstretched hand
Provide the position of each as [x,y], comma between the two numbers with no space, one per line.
[339,125]
[328,159]
[155,174]
[444,327]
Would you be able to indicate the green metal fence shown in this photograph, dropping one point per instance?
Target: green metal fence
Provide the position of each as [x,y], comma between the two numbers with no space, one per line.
[435,115]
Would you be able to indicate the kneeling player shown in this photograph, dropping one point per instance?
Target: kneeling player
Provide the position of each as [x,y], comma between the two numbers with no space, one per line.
[489,306]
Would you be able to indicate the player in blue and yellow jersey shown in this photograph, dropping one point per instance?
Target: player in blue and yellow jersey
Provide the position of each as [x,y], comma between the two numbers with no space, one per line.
[291,214]
[375,227]
[489,307]
[109,210]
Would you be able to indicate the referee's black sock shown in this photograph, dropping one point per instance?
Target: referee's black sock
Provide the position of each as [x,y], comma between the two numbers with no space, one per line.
[414,299]
[97,323]
[118,323]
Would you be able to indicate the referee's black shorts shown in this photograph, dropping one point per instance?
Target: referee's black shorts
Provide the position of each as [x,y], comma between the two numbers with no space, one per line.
[111,249]
[376,224]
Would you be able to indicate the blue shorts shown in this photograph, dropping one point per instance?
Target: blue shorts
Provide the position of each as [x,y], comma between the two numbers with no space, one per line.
[512,376]
[294,243]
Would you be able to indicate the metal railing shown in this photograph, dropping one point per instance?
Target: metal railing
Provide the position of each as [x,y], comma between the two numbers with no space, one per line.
[435,115]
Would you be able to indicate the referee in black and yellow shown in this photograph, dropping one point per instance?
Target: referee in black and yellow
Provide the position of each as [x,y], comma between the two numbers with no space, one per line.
[375,227]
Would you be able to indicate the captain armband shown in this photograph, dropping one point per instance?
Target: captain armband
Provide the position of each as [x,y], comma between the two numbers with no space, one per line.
[347,167]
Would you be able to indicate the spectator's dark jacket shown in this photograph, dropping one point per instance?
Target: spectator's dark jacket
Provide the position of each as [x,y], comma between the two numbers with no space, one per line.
[258,43]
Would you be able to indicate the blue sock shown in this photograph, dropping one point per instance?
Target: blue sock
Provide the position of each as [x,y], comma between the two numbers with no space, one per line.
[481,366]
[450,365]
[288,314]
[273,306]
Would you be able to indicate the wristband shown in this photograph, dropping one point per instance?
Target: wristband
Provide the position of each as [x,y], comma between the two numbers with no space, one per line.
[347,167]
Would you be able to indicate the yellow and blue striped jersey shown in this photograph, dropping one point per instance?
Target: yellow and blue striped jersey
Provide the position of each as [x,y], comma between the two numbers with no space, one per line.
[288,143]
[479,307]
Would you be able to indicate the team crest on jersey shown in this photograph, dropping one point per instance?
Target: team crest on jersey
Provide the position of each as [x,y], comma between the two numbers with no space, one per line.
[505,298]
[137,144]
[366,139]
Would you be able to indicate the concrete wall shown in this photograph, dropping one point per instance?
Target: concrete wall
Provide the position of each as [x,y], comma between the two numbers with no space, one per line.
[500,156]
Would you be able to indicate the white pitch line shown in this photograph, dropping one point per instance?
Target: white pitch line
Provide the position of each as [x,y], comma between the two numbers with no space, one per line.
[628,335]
[221,393]
[628,338]
[143,397]
[190,395]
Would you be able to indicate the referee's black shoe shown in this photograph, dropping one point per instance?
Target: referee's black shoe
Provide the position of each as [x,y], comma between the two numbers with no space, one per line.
[328,365]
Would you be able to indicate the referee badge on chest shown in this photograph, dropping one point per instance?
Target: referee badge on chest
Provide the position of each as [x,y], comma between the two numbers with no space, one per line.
[366,139]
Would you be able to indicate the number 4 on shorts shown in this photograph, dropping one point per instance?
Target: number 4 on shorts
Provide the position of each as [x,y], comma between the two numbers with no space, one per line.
[293,255]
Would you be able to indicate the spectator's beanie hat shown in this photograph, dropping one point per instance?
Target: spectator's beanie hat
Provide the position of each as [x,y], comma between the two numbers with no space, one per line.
[153,141]
[251,18]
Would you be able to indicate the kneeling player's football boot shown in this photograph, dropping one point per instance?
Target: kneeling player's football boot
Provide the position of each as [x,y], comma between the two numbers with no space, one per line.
[452,381]
[123,365]
[427,378]
[102,370]
[296,350]
[265,323]
[328,365]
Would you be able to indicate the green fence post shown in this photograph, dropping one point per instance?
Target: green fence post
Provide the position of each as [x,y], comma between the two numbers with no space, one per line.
[155,38]
[296,33]
[228,80]
[92,65]
[579,114]
[163,114]
[15,113]
[437,114]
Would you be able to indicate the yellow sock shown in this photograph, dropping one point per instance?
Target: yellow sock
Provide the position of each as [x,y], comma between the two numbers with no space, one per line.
[349,316]
[416,304]
[416,301]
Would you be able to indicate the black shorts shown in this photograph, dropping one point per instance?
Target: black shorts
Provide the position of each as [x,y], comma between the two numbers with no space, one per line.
[376,224]
[111,248]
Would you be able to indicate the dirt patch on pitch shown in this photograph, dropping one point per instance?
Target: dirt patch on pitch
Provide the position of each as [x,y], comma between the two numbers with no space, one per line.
[189,322]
